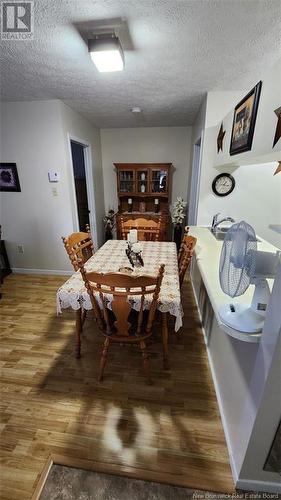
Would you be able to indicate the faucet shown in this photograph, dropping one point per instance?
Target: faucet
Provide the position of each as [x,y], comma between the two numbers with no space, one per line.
[216,222]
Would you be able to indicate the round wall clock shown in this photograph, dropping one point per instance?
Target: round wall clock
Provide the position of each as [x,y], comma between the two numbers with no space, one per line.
[223,184]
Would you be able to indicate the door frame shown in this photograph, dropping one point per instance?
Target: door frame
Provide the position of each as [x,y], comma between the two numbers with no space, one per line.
[195,180]
[90,187]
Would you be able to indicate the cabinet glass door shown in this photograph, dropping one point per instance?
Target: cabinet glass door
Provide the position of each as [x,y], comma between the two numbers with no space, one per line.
[126,181]
[159,181]
[142,181]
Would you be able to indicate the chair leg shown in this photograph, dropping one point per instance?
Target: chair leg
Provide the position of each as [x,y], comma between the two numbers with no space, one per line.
[145,357]
[103,359]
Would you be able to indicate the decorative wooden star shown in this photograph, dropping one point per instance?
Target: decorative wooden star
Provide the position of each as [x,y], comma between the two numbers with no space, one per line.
[278,168]
[278,126]
[220,138]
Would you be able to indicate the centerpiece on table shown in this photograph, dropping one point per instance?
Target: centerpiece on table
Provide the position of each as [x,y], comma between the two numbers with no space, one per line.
[178,216]
[134,250]
[109,224]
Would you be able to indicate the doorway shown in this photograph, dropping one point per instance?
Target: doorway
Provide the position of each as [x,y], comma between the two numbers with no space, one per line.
[80,182]
[82,186]
[195,184]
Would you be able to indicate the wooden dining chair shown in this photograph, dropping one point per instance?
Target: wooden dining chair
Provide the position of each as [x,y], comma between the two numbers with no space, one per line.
[79,247]
[121,323]
[185,254]
[148,229]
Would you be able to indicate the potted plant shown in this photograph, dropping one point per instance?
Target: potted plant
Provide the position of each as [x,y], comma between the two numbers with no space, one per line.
[178,216]
[109,223]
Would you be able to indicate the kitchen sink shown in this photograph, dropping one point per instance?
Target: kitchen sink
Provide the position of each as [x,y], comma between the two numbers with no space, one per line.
[220,233]
[222,230]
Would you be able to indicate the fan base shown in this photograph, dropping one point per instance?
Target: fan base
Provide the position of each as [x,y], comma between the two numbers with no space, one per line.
[243,318]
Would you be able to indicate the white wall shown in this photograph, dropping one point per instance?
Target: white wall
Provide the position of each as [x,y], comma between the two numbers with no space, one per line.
[78,127]
[34,136]
[256,197]
[214,106]
[262,409]
[262,150]
[146,145]
[199,123]
[246,375]
[219,104]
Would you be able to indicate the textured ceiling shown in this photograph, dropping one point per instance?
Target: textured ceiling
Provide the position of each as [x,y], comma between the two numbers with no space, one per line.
[175,51]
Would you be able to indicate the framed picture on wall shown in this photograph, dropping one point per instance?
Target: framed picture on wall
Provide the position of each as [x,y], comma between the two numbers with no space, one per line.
[9,179]
[244,121]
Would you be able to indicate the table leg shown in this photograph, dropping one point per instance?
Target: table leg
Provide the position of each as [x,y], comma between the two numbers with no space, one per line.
[83,317]
[165,340]
[79,325]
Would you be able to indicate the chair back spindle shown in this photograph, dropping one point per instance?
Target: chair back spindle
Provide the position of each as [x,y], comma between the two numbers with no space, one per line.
[185,254]
[148,229]
[116,322]
[79,247]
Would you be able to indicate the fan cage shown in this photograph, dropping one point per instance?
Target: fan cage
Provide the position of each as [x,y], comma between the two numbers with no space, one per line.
[237,259]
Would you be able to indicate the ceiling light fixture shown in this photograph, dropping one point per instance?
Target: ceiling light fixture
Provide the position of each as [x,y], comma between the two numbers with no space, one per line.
[106,52]
[136,109]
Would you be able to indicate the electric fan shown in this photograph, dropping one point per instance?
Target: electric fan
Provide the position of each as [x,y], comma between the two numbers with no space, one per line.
[241,264]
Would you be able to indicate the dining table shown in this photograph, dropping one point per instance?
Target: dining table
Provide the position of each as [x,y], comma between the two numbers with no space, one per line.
[111,257]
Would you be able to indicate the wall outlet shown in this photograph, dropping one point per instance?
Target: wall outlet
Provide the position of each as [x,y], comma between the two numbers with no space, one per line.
[20,248]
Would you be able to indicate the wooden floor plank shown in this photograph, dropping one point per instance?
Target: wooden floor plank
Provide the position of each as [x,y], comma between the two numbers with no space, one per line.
[52,404]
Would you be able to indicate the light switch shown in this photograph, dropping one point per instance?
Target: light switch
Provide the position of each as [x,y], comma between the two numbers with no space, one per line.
[55,191]
[54,176]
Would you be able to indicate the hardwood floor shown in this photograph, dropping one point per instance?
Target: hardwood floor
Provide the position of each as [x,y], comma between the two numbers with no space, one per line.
[53,406]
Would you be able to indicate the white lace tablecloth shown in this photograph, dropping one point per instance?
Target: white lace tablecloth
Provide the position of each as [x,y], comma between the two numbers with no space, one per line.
[110,257]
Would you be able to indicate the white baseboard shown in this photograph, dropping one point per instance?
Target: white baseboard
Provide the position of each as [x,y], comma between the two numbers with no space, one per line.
[21,270]
[264,486]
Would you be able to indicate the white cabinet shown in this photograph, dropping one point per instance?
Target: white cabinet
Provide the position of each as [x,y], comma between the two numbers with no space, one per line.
[203,302]
[239,372]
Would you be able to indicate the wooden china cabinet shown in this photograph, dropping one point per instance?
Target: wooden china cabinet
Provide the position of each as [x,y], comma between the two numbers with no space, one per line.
[144,191]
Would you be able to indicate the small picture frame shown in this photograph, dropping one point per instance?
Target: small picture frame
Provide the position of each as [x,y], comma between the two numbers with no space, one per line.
[244,121]
[9,179]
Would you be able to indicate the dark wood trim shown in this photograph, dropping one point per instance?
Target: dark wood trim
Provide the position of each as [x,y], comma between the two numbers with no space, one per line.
[11,189]
[43,478]
[118,470]
[247,147]
[145,200]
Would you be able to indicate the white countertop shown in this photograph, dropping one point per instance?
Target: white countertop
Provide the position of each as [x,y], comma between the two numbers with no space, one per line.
[207,254]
